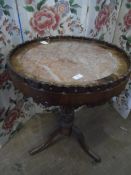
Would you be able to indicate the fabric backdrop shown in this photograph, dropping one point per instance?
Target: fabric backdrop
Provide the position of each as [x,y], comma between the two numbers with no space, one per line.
[22,20]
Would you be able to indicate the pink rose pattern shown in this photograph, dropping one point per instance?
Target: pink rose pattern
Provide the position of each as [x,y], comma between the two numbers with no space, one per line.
[12,115]
[28,1]
[125,28]
[105,20]
[45,19]
[123,102]
[127,20]
[102,18]
[9,109]
[49,18]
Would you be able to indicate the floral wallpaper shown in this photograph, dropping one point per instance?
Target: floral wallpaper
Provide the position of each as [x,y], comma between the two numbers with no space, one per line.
[8,28]
[104,23]
[123,40]
[14,109]
[108,20]
[45,18]
[124,27]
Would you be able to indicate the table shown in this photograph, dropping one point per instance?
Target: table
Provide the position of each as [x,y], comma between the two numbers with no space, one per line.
[68,72]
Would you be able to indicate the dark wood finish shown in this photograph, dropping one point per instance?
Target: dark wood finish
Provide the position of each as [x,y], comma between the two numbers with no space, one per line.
[66,128]
[69,97]
[101,84]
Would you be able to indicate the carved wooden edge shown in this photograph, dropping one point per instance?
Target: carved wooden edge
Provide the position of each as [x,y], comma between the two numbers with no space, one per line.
[102,84]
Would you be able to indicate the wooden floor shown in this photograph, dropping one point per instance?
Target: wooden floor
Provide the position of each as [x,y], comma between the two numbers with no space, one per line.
[106,132]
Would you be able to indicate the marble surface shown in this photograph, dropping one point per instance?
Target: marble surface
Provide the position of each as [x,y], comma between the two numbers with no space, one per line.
[68,62]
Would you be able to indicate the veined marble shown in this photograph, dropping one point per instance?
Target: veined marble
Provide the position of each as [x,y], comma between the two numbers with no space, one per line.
[68,62]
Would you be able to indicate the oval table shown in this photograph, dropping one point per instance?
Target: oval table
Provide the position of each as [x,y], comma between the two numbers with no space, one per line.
[68,72]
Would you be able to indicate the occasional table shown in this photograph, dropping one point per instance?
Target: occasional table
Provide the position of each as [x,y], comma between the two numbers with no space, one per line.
[68,72]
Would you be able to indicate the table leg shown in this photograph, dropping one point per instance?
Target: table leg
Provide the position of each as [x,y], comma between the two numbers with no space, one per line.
[66,128]
[46,144]
[81,139]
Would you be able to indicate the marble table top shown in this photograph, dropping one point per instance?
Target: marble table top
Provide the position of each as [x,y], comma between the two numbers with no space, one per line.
[68,62]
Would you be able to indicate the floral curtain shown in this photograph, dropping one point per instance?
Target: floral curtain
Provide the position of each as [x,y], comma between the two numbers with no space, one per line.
[9,37]
[122,38]
[22,20]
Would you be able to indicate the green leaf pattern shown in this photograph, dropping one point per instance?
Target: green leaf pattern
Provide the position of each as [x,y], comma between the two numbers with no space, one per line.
[73,6]
[39,5]
[29,8]
[5,7]
[129,39]
[125,29]
[2,3]
[74,11]
[128,5]
[71,2]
